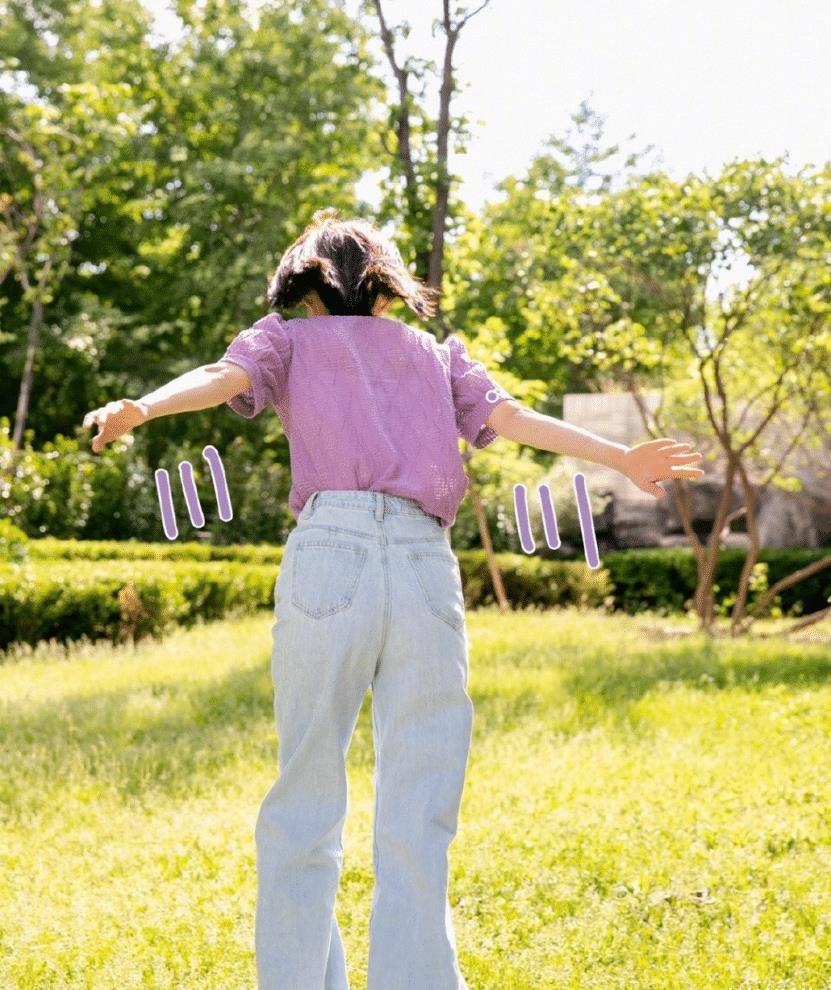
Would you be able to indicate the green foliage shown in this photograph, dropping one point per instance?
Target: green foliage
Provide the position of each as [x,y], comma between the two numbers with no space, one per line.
[657,580]
[66,491]
[200,161]
[14,543]
[757,586]
[533,581]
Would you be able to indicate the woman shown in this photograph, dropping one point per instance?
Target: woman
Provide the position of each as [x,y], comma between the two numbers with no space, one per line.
[370,593]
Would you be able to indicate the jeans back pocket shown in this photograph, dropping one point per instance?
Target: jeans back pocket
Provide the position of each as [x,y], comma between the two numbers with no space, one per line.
[440,580]
[325,576]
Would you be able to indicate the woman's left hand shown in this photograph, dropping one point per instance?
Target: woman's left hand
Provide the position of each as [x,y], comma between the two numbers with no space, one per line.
[659,460]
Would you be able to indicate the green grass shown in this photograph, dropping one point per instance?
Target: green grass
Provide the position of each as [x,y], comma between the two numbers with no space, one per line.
[640,811]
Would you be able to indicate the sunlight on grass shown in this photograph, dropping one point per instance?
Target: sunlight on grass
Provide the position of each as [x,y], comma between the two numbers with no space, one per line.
[639,813]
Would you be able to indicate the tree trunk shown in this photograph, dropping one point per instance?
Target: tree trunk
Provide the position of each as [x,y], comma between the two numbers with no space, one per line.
[781,585]
[752,552]
[487,545]
[26,379]
[430,263]
[704,597]
[436,269]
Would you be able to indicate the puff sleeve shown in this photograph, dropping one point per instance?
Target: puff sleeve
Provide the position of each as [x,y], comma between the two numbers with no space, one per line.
[264,352]
[475,394]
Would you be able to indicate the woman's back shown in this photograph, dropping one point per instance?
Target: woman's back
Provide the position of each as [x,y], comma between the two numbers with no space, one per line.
[368,404]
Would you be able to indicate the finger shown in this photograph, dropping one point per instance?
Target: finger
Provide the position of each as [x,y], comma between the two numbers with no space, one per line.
[687,473]
[685,458]
[651,488]
[673,449]
[102,436]
[91,418]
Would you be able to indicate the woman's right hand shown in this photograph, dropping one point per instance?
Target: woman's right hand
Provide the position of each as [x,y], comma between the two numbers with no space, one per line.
[114,420]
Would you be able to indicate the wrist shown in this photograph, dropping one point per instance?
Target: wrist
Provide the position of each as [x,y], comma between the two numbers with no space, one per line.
[144,409]
[617,458]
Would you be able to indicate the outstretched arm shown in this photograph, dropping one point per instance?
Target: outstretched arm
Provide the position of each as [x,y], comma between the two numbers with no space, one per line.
[644,464]
[201,388]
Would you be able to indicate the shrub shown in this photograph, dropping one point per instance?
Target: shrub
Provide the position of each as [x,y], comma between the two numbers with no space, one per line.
[96,589]
[105,600]
[13,542]
[664,579]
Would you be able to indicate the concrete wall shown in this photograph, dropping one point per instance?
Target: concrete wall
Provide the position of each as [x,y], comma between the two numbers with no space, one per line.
[638,519]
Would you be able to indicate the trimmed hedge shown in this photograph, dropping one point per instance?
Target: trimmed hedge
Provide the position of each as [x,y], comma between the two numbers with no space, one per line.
[72,589]
[106,600]
[533,581]
[665,579]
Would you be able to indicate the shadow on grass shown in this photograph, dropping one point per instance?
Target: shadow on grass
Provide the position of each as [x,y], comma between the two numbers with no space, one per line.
[635,670]
[589,681]
[169,738]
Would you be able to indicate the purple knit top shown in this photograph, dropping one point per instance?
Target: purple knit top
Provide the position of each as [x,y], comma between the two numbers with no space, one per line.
[368,403]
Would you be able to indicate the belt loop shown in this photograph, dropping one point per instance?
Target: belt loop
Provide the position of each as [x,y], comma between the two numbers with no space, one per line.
[379,505]
[310,504]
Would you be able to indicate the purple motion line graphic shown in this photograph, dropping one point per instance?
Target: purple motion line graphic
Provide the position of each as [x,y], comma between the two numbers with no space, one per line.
[171,530]
[526,537]
[197,517]
[549,517]
[586,522]
[223,498]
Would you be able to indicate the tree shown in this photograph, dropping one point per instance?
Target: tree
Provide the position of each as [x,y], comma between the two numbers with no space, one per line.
[428,183]
[241,127]
[53,159]
[762,358]
[745,370]
[427,205]
[608,278]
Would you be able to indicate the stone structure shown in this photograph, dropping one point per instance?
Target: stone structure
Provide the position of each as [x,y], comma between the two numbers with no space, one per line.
[635,519]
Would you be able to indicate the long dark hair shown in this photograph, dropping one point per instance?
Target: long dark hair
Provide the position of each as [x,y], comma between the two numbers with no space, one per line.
[349,263]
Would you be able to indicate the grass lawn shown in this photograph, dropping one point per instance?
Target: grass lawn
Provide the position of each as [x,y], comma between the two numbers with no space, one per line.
[640,811]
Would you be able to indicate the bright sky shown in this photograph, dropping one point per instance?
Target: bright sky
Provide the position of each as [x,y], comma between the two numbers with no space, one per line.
[705,82]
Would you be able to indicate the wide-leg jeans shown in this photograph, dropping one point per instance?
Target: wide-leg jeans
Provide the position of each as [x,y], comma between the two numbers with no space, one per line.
[369,596]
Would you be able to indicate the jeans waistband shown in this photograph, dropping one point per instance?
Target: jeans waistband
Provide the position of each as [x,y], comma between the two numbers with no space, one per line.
[379,503]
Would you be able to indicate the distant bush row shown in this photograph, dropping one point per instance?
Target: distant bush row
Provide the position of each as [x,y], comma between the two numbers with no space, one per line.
[52,549]
[69,589]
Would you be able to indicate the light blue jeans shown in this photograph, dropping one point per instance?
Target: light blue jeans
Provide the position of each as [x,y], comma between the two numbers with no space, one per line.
[369,596]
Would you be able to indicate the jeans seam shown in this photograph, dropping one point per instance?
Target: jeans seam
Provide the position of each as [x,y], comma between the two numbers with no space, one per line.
[377,856]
